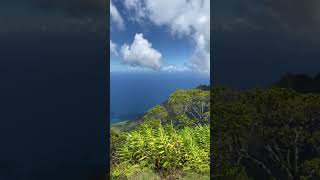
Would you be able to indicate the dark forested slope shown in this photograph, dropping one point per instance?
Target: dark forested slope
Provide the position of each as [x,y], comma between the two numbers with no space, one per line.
[266,134]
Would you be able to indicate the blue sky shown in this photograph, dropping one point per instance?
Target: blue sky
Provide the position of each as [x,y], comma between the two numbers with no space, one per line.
[158,35]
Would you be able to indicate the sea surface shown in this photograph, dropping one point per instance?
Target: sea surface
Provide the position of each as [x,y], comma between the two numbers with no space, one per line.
[133,93]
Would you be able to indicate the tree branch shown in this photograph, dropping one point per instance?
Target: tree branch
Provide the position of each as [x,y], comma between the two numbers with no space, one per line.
[267,170]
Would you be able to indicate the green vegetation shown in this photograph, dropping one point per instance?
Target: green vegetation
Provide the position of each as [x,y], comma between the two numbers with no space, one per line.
[171,141]
[266,134]
[260,134]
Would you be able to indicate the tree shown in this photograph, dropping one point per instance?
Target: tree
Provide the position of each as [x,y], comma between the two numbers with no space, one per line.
[190,106]
[156,116]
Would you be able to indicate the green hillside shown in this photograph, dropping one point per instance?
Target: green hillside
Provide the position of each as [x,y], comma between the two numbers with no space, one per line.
[171,141]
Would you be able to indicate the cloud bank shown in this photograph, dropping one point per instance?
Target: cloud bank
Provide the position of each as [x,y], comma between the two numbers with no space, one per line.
[293,17]
[141,54]
[173,68]
[53,16]
[184,18]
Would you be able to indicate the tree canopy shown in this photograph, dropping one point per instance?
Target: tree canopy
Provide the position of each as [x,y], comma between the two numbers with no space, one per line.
[271,132]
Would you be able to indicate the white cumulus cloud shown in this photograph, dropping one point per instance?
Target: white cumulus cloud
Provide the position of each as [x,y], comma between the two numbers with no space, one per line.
[141,54]
[184,18]
[115,16]
[113,48]
[138,7]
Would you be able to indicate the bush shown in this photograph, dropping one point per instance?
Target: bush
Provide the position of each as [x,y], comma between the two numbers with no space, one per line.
[165,150]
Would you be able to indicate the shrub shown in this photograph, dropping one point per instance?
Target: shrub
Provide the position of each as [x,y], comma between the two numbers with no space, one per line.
[166,150]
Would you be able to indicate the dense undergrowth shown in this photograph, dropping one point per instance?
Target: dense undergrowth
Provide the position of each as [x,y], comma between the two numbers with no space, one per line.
[171,141]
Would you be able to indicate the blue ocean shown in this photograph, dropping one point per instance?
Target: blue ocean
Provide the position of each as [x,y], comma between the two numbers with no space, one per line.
[133,93]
